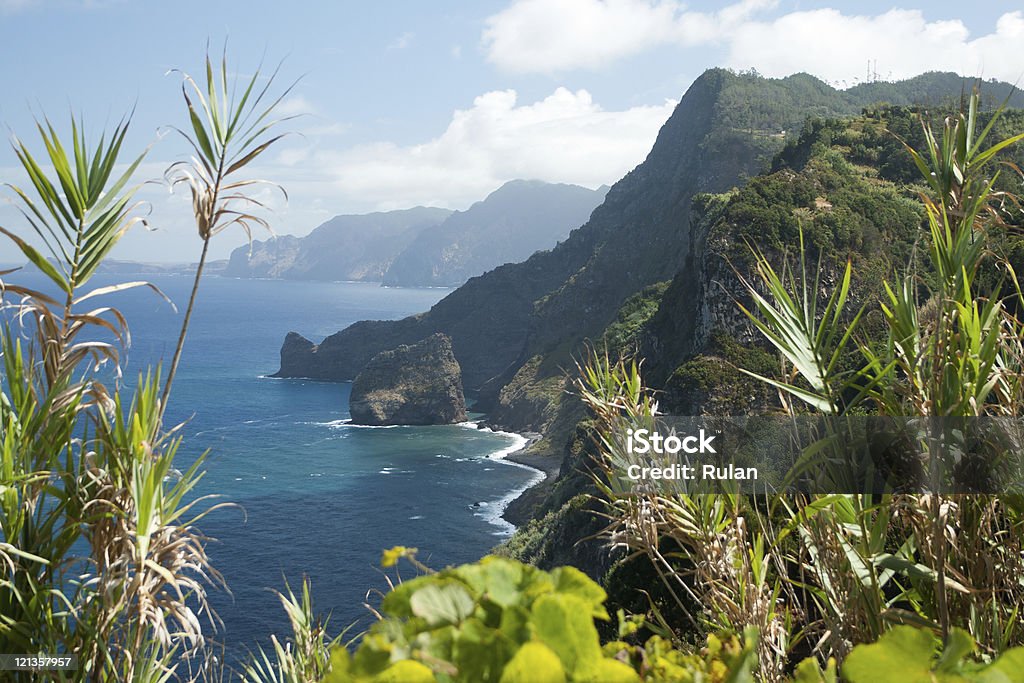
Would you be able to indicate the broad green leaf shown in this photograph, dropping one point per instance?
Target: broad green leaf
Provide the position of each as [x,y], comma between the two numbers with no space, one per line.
[604,671]
[808,671]
[405,671]
[533,663]
[498,579]
[572,581]
[903,654]
[959,645]
[1009,668]
[564,623]
[447,604]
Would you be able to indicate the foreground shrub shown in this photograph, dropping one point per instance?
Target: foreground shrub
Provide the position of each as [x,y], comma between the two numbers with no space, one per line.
[496,620]
[503,621]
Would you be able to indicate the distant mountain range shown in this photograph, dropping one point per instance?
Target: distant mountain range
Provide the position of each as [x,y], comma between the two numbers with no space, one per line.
[359,247]
[423,246]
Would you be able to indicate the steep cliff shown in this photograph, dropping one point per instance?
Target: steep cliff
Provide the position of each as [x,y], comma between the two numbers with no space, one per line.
[726,128]
[419,384]
[556,298]
[848,186]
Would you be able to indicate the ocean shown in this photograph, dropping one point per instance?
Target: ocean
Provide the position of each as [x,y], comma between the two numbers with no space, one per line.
[313,496]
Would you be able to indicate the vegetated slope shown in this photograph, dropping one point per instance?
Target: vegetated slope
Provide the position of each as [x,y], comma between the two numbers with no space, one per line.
[517,219]
[851,188]
[725,128]
[351,247]
[636,237]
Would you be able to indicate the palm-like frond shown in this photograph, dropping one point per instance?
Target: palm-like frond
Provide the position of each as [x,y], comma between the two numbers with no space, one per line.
[80,217]
[227,132]
[814,342]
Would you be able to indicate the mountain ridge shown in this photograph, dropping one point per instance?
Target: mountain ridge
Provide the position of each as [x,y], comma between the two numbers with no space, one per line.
[727,127]
[425,246]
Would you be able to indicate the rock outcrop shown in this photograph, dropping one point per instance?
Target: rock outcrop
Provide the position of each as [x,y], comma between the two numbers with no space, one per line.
[419,384]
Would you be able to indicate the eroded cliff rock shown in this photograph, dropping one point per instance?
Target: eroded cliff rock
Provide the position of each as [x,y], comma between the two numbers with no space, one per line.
[419,384]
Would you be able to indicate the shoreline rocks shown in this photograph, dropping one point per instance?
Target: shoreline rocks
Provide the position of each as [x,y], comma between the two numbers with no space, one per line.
[417,384]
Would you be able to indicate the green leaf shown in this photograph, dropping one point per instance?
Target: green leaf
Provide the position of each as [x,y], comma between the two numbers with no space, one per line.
[38,260]
[572,581]
[959,645]
[533,663]
[405,671]
[1009,668]
[498,579]
[808,671]
[903,654]
[605,671]
[564,623]
[448,604]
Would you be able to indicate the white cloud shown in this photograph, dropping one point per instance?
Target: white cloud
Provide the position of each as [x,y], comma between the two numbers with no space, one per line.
[837,47]
[296,105]
[566,137]
[550,36]
[555,35]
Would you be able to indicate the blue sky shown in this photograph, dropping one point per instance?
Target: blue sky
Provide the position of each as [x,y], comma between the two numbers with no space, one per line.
[439,103]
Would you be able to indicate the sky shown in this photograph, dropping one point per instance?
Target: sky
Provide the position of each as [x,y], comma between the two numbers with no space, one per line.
[414,103]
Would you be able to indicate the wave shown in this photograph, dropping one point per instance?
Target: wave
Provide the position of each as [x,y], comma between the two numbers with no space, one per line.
[492,511]
[347,422]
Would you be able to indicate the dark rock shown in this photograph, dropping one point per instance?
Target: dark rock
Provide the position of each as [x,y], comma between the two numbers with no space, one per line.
[411,385]
[297,357]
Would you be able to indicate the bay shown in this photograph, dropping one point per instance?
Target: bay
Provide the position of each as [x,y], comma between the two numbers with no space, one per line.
[312,496]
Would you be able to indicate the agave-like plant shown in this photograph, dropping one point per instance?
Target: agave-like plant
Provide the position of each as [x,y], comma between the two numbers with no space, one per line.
[305,657]
[229,130]
[825,572]
[78,218]
[100,554]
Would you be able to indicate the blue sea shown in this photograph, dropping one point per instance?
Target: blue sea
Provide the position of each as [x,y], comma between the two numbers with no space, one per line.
[314,496]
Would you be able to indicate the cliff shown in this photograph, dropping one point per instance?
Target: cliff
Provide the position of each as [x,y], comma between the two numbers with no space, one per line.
[555,299]
[410,385]
[850,188]
[726,128]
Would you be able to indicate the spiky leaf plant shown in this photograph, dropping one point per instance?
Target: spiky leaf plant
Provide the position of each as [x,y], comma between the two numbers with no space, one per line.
[821,573]
[231,125]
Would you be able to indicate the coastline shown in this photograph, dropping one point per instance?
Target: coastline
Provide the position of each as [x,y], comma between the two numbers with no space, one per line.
[511,510]
[516,509]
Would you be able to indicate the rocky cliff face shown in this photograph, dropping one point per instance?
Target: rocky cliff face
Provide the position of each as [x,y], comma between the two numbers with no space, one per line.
[726,128]
[410,385]
[638,236]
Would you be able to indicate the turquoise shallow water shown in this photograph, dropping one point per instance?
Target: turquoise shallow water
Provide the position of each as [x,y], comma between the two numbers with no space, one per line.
[315,496]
